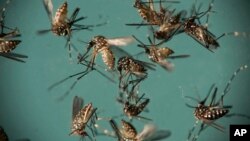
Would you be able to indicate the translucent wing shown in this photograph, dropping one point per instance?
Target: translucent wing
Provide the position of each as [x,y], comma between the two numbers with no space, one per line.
[159,135]
[150,133]
[49,8]
[119,52]
[122,41]
[77,105]
[166,65]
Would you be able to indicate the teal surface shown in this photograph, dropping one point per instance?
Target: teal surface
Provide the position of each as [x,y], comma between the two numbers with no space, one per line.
[29,110]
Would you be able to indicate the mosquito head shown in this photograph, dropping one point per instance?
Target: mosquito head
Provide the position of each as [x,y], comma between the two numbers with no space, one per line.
[96,40]
[161,35]
[79,132]
[61,30]
[137,4]
[189,22]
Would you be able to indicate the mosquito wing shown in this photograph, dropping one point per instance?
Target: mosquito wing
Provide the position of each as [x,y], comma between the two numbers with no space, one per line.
[166,65]
[77,105]
[205,38]
[150,133]
[116,129]
[159,135]
[121,41]
[119,52]
[49,9]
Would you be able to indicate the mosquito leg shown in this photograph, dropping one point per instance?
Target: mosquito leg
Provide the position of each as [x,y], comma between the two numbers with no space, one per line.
[227,88]
[12,58]
[192,130]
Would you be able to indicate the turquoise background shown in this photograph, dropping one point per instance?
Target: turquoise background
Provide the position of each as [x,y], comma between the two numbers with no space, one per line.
[27,109]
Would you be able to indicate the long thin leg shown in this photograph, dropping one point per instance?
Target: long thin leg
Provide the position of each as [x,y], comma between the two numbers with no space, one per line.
[227,88]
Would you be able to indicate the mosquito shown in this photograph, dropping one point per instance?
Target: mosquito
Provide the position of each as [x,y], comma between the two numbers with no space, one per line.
[215,110]
[128,132]
[159,55]
[81,116]
[105,47]
[149,14]
[8,41]
[133,108]
[171,26]
[129,67]
[202,35]
[61,25]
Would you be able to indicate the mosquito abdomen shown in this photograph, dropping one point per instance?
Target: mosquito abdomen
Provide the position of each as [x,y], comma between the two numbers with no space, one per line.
[7,46]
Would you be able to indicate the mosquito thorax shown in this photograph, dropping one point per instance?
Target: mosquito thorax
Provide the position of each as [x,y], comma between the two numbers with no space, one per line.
[61,30]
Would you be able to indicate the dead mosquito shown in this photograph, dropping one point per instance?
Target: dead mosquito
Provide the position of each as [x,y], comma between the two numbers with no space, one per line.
[61,25]
[81,116]
[129,68]
[215,110]
[8,41]
[133,107]
[79,76]
[201,34]
[171,26]
[105,46]
[149,14]
[128,132]
[158,54]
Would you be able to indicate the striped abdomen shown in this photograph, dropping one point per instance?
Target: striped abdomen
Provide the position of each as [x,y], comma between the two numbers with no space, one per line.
[7,46]
[108,58]
[206,113]
[61,14]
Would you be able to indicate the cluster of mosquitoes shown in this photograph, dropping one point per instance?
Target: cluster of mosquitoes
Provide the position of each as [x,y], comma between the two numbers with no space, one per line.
[164,24]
